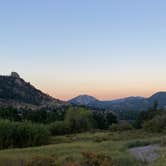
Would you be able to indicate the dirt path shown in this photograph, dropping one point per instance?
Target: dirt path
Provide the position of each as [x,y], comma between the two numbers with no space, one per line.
[146,153]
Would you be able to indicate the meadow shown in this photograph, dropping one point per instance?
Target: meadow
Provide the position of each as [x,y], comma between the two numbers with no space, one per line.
[71,150]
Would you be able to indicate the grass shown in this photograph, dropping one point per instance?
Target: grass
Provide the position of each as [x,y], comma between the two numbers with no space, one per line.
[70,147]
[162,159]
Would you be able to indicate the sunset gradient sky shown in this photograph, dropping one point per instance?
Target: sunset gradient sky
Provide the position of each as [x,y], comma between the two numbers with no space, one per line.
[105,48]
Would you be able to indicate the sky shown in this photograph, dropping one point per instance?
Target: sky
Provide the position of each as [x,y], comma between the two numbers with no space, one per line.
[105,48]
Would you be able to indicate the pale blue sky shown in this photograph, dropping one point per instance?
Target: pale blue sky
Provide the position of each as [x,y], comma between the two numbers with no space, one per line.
[106,48]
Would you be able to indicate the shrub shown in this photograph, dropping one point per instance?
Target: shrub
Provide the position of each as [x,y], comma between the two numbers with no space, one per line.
[70,161]
[79,119]
[58,128]
[41,161]
[137,143]
[121,126]
[22,134]
[163,141]
[146,116]
[100,139]
[93,159]
[157,124]
[123,160]
[103,119]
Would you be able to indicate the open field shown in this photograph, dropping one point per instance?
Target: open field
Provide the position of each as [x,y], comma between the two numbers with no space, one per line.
[68,149]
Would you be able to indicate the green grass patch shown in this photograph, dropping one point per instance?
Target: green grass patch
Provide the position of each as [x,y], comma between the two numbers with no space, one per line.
[70,148]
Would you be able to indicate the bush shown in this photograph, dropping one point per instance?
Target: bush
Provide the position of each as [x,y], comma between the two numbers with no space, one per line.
[93,159]
[22,134]
[121,126]
[79,120]
[124,160]
[146,116]
[41,161]
[137,143]
[103,119]
[101,139]
[70,161]
[163,141]
[58,128]
[157,124]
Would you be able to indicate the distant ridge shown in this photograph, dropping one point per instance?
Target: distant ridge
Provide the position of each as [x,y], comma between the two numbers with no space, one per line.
[14,91]
[159,97]
[124,104]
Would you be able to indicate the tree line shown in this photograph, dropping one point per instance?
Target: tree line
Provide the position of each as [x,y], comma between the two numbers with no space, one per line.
[23,128]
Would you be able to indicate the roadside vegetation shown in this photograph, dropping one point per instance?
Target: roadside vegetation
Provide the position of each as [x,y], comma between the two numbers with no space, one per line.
[76,136]
[87,147]
[22,134]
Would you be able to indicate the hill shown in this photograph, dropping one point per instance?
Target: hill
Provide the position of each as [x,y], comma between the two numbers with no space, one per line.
[83,100]
[160,98]
[124,104]
[14,91]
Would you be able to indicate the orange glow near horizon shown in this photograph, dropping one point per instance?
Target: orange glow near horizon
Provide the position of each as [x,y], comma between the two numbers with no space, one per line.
[102,95]
[101,87]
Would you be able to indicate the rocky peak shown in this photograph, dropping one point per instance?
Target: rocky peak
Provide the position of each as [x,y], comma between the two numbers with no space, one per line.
[16,91]
[14,74]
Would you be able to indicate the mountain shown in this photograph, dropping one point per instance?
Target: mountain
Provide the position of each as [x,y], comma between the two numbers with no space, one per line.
[160,98]
[83,100]
[127,99]
[124,104]
[130,103]
[14,91]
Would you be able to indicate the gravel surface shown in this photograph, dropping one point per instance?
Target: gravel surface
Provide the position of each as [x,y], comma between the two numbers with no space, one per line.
[146,153]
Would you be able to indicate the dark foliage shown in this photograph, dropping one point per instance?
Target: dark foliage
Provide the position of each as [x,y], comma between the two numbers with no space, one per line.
[37,116]
[146,116]
[104,119]
[121,126]
[93,159]
[22,134]
[156,124]
[41,161]
[59,128]
[79,119]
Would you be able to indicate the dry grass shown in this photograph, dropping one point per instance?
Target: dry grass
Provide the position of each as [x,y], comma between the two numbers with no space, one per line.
[63,148]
